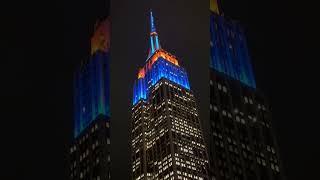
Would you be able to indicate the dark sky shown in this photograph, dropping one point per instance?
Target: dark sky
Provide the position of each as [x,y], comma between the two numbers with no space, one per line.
[43,42]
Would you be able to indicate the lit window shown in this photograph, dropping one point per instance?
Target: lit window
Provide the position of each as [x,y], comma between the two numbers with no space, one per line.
[224,113]
[245,100]
[219,86]
[224,89]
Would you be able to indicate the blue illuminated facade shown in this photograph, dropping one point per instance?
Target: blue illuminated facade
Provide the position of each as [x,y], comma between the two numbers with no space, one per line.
[91,91]
[229,51]
[159,64]
[160,69]
[164,69]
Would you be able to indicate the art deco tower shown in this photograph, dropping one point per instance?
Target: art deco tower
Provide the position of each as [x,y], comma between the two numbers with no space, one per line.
[242,142]
[90,151]
[167,138]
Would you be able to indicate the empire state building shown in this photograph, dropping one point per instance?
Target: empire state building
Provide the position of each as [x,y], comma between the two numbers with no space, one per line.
[167,140]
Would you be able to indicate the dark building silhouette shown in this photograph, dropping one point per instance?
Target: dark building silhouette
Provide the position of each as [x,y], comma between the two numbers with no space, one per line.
[242,142]
[90,151]
[167,138]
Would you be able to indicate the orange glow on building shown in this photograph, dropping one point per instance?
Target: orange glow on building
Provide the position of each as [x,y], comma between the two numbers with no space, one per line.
[100,40]
[153,33]
[159,53]
[141,73]
[165,55]
[214,6]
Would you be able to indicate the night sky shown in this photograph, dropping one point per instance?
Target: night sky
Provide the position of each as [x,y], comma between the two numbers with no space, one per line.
[44,42]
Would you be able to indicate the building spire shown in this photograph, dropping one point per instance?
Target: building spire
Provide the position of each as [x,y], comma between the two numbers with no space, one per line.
[154,39]
[152,26]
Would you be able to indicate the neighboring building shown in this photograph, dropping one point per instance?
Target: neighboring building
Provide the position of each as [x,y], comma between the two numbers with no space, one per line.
[90,151]
[242,142]
[167,137]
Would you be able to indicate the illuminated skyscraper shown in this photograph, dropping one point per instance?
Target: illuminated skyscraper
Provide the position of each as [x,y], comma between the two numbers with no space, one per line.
[167,138]
[90,152]
[242,142]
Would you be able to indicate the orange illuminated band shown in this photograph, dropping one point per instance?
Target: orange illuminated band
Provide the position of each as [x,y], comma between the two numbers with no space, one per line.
[214,6]
[153,33]
[141,73]
[159,53]
[100,41]
[164,55]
